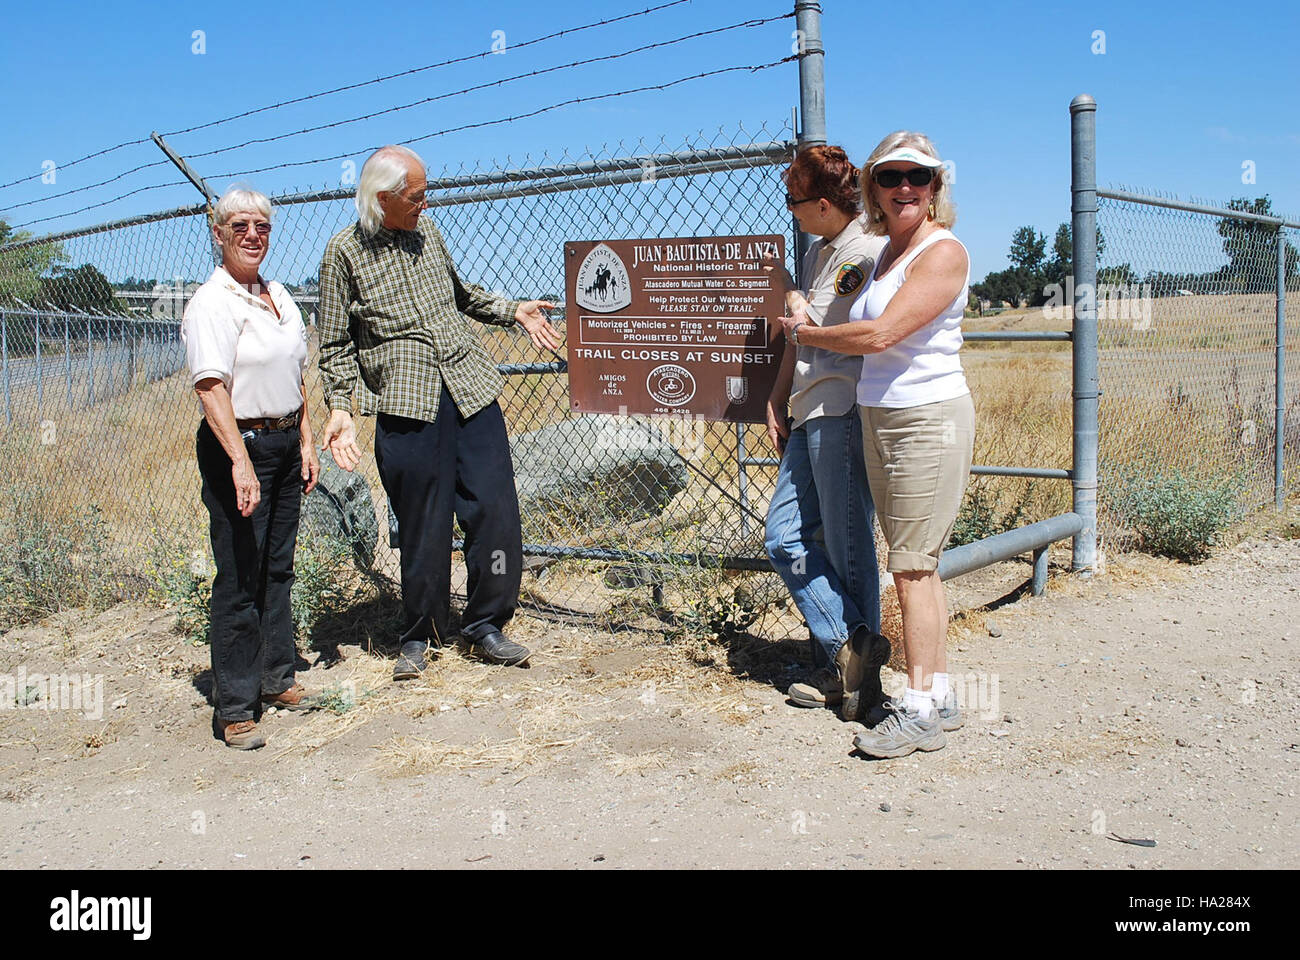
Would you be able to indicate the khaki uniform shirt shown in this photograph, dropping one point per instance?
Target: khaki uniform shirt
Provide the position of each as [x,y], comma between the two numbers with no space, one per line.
[836,270]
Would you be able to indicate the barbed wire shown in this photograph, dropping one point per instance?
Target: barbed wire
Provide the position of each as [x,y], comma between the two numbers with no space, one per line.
[89,186]
[520,116]
[102,203]
[754,68]
[325,93]
[89,156]
[487,84]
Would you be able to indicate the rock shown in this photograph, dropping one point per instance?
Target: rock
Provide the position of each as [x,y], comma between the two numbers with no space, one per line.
[885,808]
[341,509]
[594,467]
[993,628]
[597,466]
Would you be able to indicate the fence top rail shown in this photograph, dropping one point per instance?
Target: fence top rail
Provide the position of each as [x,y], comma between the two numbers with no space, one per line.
[1129,197]
[54,313]
[770,152]
[773,151]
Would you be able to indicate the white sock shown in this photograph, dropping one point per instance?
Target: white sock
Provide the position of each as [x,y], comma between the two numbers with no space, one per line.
[918,701]
[939,688]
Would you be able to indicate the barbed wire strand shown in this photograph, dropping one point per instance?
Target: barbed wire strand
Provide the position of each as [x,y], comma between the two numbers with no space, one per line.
[90,186]
[485,85]
[406,106]
[437,133]
[519,116]
[350,86]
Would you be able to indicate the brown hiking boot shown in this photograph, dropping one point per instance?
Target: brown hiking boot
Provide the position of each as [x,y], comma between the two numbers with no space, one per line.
[859,662]
[822,689]
[242,735]
[295,698]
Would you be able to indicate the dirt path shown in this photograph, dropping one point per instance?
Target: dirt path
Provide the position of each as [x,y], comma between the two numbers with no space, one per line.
[1157,702]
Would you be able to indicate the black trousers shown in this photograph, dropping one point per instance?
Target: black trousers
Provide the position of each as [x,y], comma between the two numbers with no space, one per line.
[251,632]
[430,471]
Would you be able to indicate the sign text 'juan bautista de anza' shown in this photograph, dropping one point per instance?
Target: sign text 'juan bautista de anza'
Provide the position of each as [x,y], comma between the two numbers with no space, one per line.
[673,326]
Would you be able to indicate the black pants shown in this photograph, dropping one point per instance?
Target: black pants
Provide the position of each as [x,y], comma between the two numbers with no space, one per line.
[251,631]
[431,470]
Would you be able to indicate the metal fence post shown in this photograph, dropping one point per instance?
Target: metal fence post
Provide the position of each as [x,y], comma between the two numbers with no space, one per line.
[4,358]
[812,100]
[742,475]
[40,375]
[1279,376]
[67,355]
[1083,217]
[90,365]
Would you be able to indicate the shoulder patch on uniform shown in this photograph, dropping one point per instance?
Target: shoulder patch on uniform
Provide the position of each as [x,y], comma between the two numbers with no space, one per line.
[848,278]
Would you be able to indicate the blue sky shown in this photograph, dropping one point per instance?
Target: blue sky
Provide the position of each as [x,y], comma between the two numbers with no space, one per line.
[1187,92]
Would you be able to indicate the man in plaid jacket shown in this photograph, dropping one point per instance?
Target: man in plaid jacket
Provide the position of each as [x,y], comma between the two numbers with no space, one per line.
[394,332]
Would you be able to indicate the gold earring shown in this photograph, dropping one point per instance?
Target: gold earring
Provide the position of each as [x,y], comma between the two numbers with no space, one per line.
[931,209]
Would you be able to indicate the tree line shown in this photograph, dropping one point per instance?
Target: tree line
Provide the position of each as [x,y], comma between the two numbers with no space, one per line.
[1250,248]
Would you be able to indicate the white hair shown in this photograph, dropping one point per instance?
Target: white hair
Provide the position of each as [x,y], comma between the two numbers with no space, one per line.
[240,199]
[383,172]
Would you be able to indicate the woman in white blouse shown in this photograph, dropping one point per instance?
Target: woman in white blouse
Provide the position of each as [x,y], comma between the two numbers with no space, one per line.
[246,346]
[918,420]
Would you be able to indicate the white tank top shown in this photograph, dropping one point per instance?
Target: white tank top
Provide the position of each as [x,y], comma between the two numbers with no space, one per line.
[923,368]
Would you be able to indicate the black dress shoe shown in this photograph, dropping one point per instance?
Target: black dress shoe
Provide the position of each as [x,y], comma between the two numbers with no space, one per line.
[410,662]
[495,647]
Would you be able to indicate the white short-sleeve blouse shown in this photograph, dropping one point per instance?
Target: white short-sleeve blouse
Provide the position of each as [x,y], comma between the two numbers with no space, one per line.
[236,337]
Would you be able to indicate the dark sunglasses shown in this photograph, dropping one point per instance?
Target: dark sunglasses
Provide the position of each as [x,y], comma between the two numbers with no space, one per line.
[240,227]
[917,177]
[792,202]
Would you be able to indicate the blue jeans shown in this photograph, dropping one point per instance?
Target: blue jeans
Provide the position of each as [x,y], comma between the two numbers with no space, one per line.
[829,567]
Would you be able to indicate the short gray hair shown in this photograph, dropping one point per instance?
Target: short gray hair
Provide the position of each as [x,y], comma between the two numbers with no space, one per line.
[238,199]
[383,172]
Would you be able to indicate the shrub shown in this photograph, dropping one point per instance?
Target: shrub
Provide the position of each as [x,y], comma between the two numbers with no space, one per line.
[183,580]
[53,558]
[1174,514]
[984,514]
[323,579]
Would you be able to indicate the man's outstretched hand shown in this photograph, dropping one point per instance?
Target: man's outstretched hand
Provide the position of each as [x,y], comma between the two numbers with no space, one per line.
[532,319]
[340,438]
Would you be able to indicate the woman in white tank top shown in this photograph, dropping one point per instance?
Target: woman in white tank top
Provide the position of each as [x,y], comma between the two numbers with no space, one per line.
[917,416]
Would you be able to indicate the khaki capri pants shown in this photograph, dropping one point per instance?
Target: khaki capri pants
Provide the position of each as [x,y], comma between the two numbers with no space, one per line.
[918,462]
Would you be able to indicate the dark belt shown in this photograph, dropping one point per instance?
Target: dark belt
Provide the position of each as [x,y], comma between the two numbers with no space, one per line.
[283,423]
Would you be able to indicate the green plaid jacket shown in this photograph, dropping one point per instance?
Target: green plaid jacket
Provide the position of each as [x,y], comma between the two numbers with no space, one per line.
[393,325]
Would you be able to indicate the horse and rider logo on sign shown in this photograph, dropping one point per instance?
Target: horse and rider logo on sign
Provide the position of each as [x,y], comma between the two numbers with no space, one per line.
[602,281]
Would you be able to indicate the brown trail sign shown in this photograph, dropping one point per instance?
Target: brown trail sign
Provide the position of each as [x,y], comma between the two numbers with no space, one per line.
[675,326]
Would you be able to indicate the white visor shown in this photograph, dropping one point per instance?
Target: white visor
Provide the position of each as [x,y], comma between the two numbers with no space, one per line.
[908,155]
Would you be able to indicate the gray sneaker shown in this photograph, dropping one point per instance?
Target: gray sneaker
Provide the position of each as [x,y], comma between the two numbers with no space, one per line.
[950,717]
[949,713]
[823,689]
[900,733]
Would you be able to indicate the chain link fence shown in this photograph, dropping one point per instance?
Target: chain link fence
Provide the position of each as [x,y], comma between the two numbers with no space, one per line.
[100,415]
[1188,321]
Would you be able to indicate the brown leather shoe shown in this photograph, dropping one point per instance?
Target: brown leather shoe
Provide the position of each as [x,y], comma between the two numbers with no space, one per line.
[295,698]
[242,735]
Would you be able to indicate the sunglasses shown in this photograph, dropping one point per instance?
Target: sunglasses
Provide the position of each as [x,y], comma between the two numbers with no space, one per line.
[793,202]
[917,177]
[240,227]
